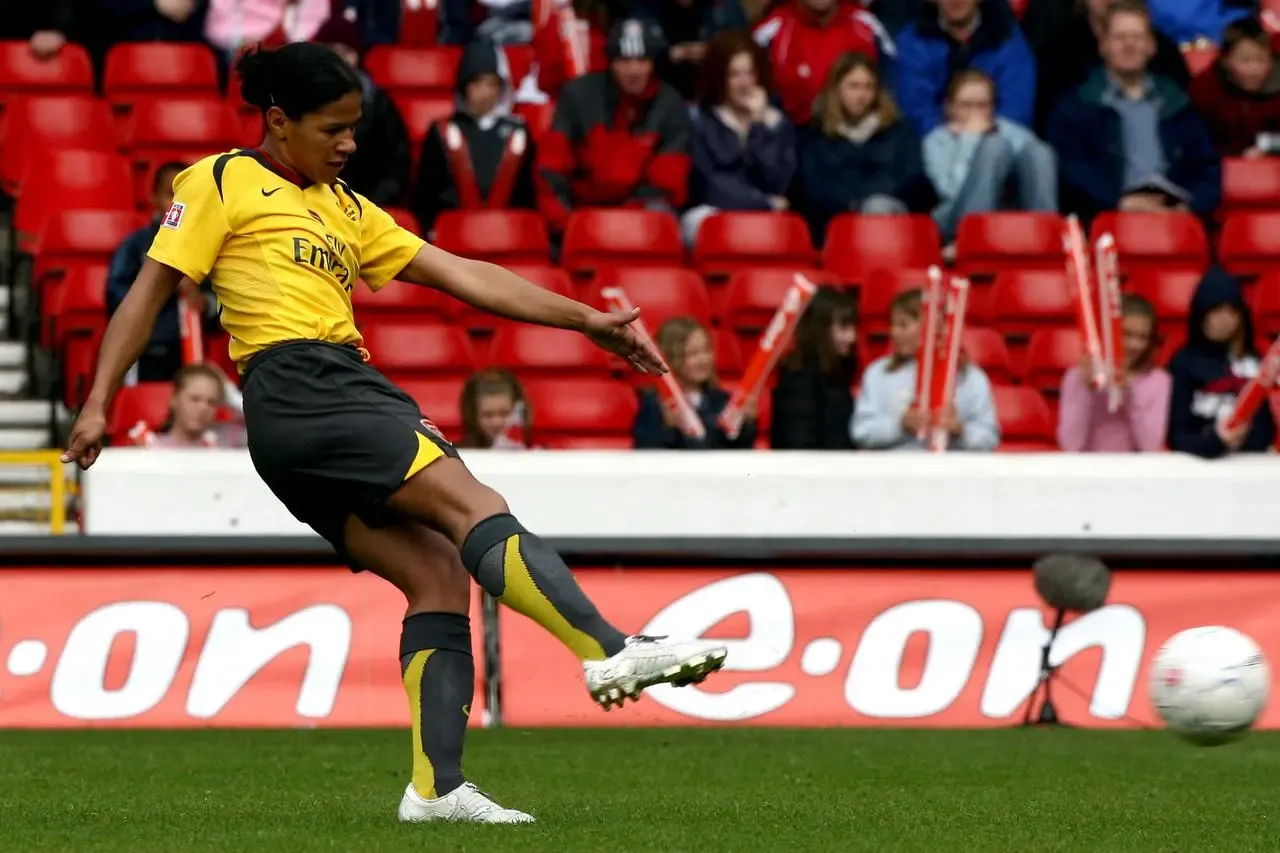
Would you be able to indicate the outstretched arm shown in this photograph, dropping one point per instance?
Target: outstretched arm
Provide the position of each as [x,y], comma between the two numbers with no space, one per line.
[502,292]
[126,338]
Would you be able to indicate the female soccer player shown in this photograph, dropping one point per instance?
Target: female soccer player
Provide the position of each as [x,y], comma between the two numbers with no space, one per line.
[283,240]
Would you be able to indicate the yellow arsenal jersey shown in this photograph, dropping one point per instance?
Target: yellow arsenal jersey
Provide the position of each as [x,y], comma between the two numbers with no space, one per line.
[283,254]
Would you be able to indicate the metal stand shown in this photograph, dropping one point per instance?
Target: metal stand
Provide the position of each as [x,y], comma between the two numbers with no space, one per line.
[1042,694]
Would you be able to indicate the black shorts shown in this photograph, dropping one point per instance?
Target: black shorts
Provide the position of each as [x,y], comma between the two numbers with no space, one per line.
[332,437]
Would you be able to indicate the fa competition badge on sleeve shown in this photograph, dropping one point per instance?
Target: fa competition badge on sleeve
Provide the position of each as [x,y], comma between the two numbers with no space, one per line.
[173,216]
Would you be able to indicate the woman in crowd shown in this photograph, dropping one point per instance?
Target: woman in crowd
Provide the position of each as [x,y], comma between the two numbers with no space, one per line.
[976,156]
[1085,420]
[1211,369]
[686,346]
[886,416]
[495,412]
[1239,95]
[193,410]
[744,153]
[813,400]
[859,154]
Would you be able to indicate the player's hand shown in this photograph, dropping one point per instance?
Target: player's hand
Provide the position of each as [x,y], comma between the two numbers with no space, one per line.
[612,332]
[86,437]
[913,420]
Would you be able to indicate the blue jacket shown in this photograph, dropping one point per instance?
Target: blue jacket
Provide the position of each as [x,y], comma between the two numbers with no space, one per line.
[730,175]
[837,174]
[125,265]
[1205,385]
[928,57]
[652,433]
[1086,134]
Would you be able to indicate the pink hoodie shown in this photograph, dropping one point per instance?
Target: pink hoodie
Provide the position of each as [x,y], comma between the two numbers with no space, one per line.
[234,23]
[1084,424]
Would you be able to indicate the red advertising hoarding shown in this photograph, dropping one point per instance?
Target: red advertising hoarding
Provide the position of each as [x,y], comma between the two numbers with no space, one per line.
[884,648]
[182,648]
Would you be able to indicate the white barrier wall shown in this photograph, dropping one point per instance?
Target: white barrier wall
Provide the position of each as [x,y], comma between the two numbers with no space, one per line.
[750,494]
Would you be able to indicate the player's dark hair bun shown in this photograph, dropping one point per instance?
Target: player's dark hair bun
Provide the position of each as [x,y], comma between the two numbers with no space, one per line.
[298,78]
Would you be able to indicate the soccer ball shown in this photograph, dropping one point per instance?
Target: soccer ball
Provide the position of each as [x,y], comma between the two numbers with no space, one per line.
[1210,684]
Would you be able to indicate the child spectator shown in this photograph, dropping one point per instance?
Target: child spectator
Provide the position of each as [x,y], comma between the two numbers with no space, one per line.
[1239,95]
[689,26]
[886,416]
[619,137]
[163,355]
[1129,139]
[489,162]
[859,154]
[804,38]
[744,152]
[974,158]
[193,409]
[379,167]
[813,399]
[686,346]
[953,35]
[1085,421]
[1211,369]
[495,412]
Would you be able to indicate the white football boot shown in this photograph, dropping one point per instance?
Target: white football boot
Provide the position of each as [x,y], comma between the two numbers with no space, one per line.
[645,661]
[464,804]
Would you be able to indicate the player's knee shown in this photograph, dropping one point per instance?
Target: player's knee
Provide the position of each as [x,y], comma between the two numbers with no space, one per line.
[439,584]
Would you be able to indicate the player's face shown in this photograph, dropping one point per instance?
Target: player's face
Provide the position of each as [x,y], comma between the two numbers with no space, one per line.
[633,75]
[1249,64]
[195,405]
[493,413]
[699,359]
[844,334]
[1222,323]
[319,143]
[1138,334]
[857,93]
[904,334]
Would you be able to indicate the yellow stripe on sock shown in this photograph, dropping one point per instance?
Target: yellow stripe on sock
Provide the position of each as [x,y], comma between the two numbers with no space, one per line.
[522,595]
[424,775]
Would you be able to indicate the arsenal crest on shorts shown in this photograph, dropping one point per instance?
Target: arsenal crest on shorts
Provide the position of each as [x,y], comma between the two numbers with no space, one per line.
[432,428]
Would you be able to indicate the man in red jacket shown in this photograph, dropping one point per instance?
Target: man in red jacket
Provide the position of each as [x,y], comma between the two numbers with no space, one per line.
[806,37]
[619,137]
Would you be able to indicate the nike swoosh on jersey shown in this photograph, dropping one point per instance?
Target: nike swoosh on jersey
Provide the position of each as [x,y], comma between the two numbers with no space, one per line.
[273,192]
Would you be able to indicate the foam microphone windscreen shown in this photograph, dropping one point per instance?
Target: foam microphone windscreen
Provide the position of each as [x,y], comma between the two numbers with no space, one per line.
[1072,581]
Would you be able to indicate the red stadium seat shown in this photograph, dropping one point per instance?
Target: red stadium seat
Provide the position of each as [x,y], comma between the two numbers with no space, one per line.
[440,399]
[419,113]
[537,116]
[502,236]
[396,300]
[1026,423]
[754,296]
[1266,303]
[58,179]
[427,71]
[181,126]
[475,319]
[405,218]
[987,349]
[1249,183]
[732,241]
[1250,243]
[1173,240]
[877,294]
[1022,302]
[405,348]
[51,121]
[419,23]
[76,305]
[1050,352]
[595,239]
[519,60]
[21,73]
[147,402]
[151,68]
[539,350]
[579,407]
[80,236]
[857,246]
[1169,292]
[988,243]
[660,292]
[79,363]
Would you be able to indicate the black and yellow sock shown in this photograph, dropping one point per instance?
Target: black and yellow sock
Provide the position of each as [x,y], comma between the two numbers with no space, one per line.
[518,569]
[439,679]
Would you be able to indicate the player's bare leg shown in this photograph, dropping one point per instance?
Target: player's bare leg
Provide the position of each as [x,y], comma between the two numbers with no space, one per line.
[517,568]
[436,665]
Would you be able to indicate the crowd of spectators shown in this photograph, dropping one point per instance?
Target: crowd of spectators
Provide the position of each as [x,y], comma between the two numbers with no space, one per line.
[824,107]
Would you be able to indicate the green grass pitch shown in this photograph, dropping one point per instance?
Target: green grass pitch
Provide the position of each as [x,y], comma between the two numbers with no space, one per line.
[645,791]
